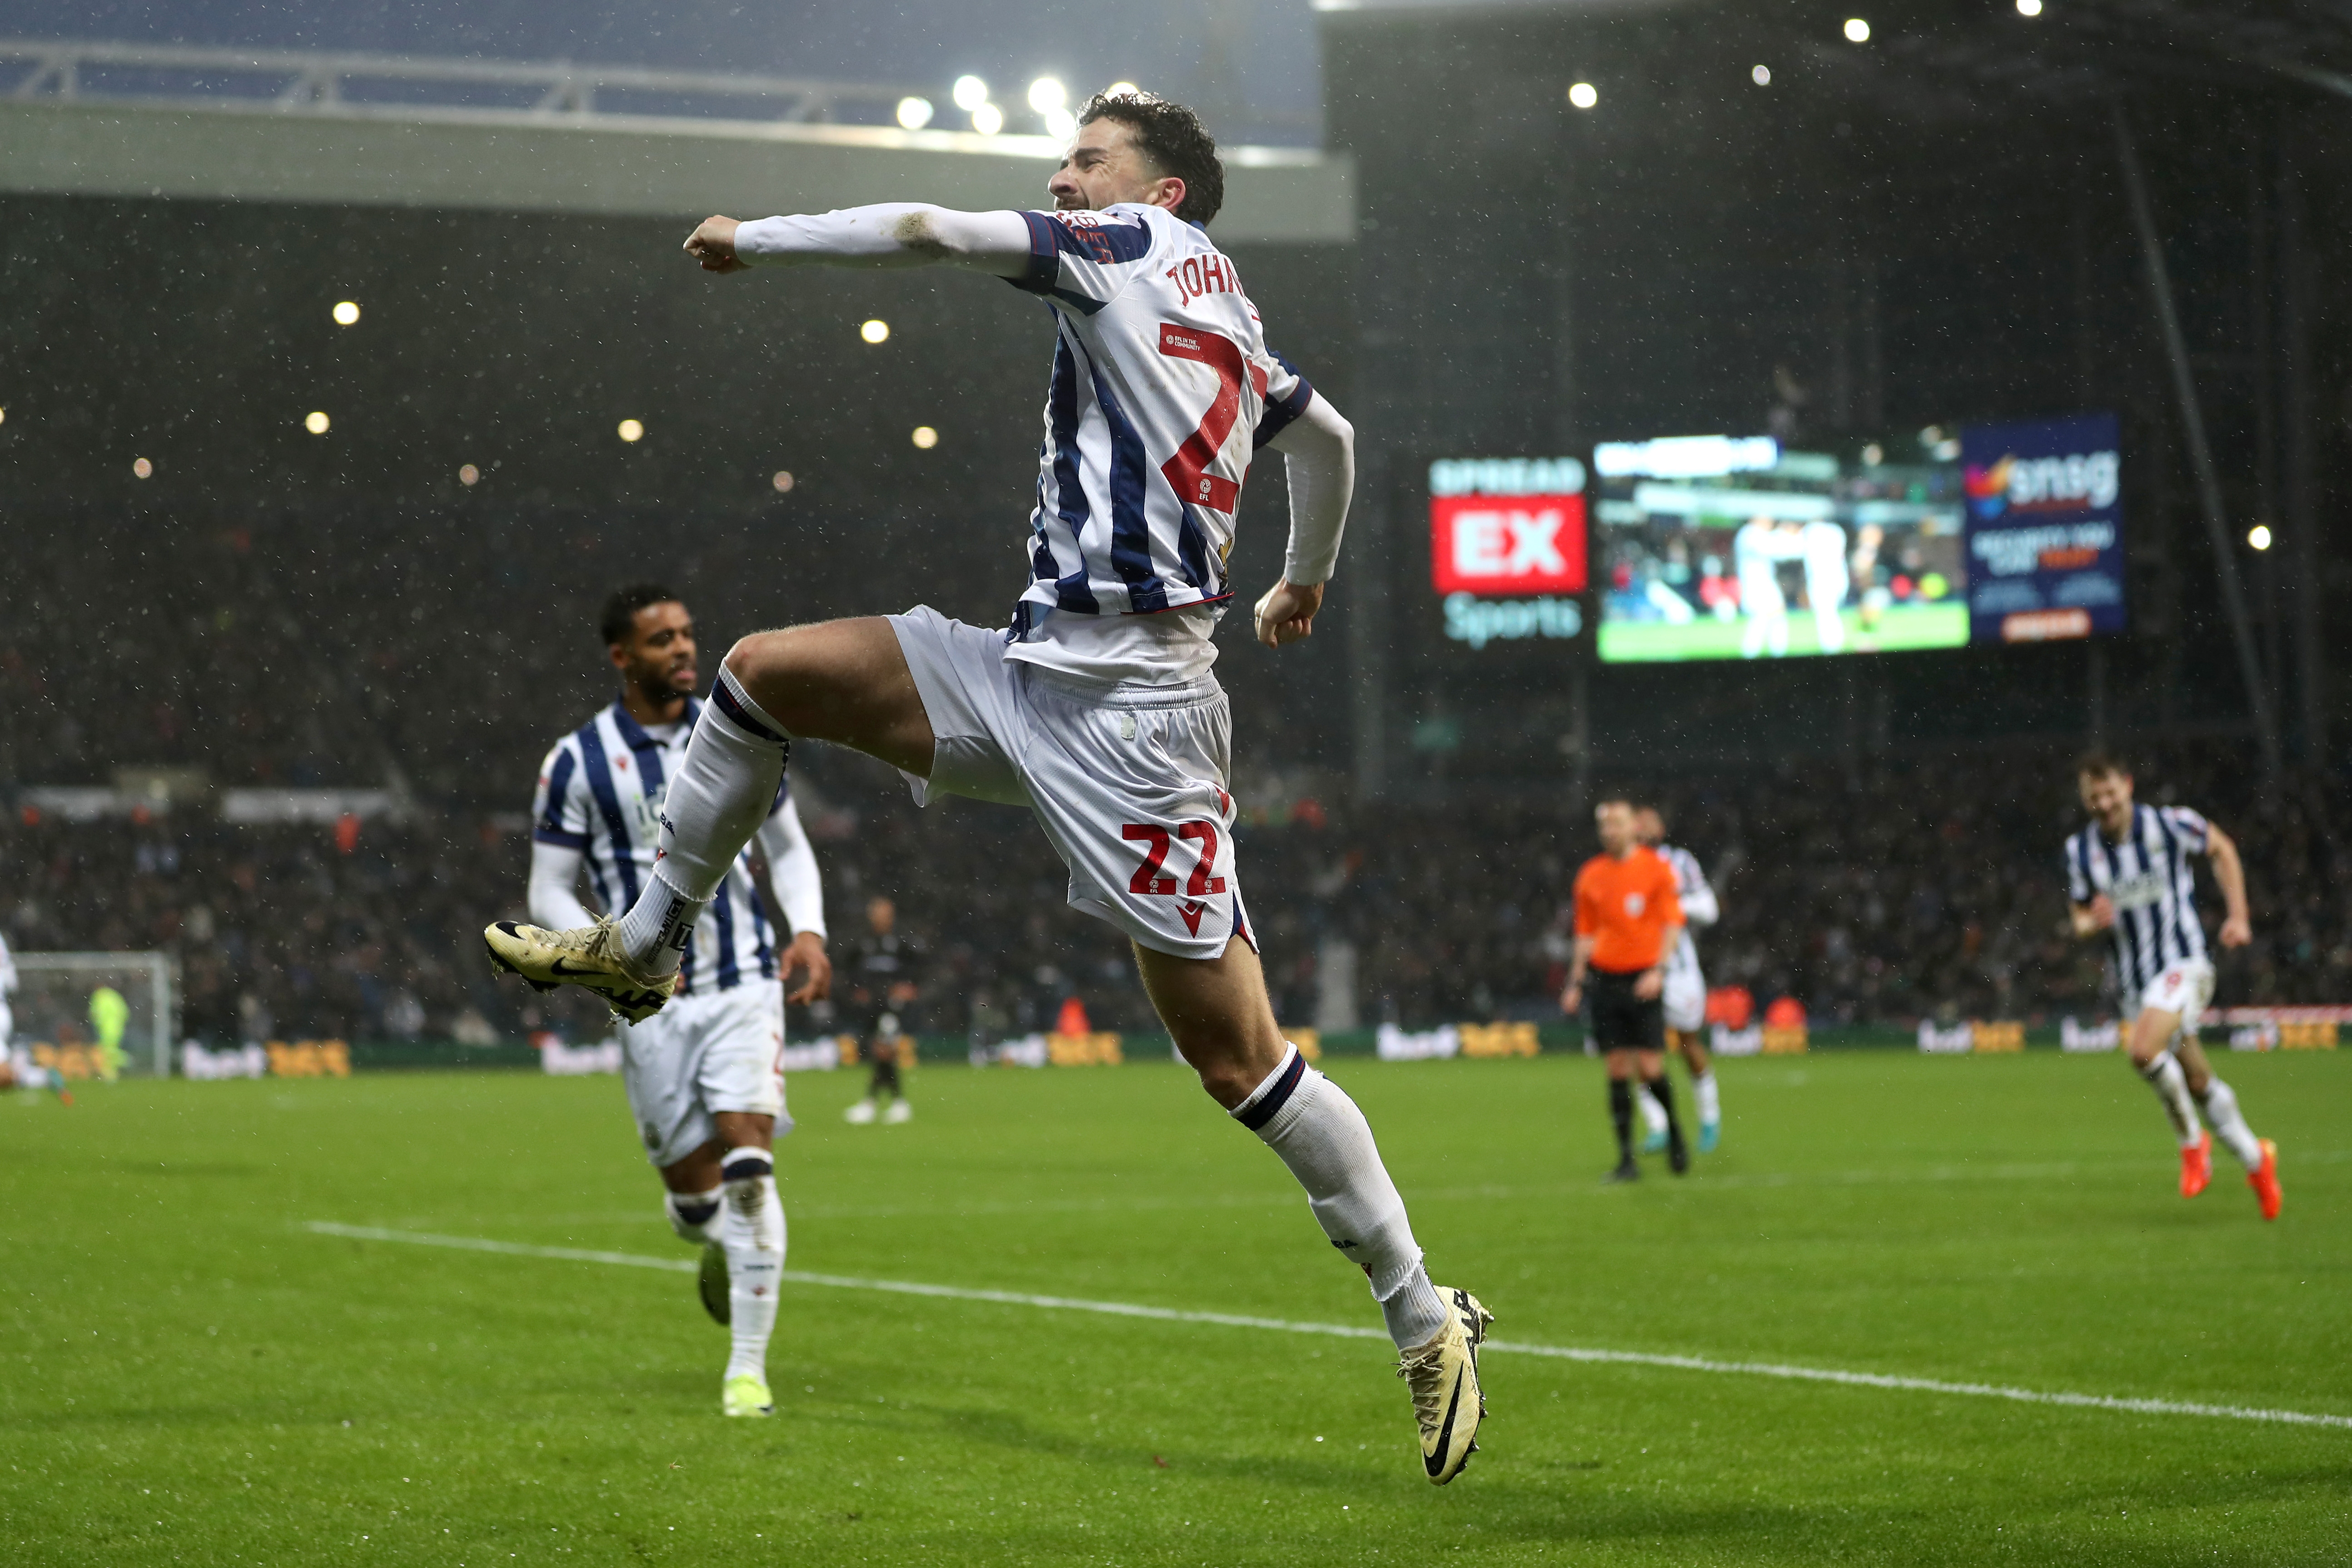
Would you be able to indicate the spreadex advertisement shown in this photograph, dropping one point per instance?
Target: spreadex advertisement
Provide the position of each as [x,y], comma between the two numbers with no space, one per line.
[2045,538]
[1506,547]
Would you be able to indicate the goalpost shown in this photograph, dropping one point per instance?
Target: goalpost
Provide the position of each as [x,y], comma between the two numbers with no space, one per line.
[60,1008]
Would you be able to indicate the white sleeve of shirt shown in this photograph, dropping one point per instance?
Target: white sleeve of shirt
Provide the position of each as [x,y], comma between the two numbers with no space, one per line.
[554,887]
[1699,907]
[2078,886]
[891,234]
[2191,825]
[792,870]
[1318,455]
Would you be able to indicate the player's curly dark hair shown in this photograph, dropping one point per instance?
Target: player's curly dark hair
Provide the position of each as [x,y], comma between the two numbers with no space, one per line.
[620,616]
[2099,763]
[1173,139]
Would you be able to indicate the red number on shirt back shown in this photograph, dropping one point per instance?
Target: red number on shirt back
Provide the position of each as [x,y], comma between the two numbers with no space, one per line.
[1187,472]
[1146,877]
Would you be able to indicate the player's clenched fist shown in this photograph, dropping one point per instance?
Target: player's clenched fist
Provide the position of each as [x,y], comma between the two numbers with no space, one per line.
[713,244]
[1287,613]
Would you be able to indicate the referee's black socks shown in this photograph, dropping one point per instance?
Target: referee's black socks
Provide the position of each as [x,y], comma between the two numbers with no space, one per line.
[1621,1114]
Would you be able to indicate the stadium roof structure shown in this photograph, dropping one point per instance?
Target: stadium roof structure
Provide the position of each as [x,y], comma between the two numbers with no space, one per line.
[1957,58]
[159,120]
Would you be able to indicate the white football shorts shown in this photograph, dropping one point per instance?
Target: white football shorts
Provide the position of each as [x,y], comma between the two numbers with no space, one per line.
[701,1054]
[1127,782]
[1685,992]
[2183,988]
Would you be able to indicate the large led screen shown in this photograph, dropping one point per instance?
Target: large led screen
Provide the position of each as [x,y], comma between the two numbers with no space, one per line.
[1718,547]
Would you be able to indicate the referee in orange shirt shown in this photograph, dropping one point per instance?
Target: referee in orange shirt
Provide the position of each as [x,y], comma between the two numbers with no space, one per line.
[1628,920]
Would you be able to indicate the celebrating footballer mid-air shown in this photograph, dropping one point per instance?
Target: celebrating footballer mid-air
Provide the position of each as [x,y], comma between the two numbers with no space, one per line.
[2129,875]
[1094,706]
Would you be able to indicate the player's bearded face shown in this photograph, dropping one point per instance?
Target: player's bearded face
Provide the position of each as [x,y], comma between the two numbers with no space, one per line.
[661,660]
[2106,795]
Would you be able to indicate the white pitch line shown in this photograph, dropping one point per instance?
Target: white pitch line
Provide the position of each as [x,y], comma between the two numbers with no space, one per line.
[1348,1331]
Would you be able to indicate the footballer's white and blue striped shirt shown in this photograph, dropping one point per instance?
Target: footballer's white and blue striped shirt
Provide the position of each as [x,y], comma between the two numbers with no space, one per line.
[2148,879]
[1162,390]
[600,791]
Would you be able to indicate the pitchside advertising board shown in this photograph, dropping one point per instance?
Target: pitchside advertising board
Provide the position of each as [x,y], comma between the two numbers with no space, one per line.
[1506,547]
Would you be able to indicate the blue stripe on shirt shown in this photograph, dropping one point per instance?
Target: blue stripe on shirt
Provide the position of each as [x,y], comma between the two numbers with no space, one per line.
[1071,592]
[1131,528]
[598,770]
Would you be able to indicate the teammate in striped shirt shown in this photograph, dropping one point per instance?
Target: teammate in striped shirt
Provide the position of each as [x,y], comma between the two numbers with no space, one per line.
[1095,707]
[704,1075]
[1685,991]
[2127,874]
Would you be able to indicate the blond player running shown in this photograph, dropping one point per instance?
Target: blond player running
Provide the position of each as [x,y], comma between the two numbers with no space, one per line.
[2129,877]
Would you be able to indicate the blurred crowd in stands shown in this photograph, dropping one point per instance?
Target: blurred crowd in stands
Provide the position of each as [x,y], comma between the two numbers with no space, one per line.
[438,658]
[1881,896]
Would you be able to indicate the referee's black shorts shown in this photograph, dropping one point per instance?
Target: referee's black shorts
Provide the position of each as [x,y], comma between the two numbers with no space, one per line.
[1623,1021]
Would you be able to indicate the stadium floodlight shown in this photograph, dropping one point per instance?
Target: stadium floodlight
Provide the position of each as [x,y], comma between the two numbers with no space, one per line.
[988,120]
[2028,7]
[875,331]
[1048,94]
[783,481]
[2259,536]
[914,114]
[1582,95]
[1122,90]
[1857,31]
[631,430]
[970,93]
[1761,75]
[1061,123]
[315,422]
[346,312]
[469,475]
[141,467]
[4,416]
[926,437]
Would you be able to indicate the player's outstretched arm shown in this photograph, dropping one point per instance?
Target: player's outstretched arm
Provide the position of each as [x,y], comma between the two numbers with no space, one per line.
[890,233]
[1318,453]
[2229,871]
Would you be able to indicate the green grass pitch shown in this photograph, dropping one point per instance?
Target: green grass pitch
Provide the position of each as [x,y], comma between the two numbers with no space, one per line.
[192,1376]
[1905,628]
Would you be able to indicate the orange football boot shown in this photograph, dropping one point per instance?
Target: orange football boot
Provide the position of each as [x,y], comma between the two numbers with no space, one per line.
[2197,1166]
[2264,1180]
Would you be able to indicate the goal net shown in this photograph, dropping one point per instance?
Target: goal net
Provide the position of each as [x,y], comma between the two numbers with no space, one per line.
[95,1015]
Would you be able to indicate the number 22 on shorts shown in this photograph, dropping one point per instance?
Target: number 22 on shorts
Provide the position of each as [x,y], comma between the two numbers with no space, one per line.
[1148,877]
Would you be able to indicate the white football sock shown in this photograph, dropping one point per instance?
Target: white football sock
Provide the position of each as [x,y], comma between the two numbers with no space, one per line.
[1710,1103]
[1653,1115]
[691,1214]
[753,1234]
[2229,1123]
[2171,1085]
[1315,1130]
[724,790]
